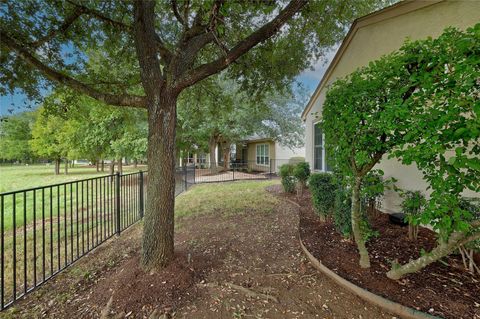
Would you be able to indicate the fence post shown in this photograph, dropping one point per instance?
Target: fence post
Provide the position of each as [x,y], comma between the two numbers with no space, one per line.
[270,175]
[142,201]
[117,200]
[185,176]
[194,182]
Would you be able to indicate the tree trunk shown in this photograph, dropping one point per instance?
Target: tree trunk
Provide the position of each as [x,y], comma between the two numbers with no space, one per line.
[103,165]
[66,166]
[97,165]
[356,220]
[135,163]
[112,167]
[158,226]
[57,167]
[443,249]
[212,145]
[226,155]
[120,165]
[158,233]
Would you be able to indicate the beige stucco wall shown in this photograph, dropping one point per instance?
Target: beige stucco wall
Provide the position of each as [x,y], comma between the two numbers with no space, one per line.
[373,40]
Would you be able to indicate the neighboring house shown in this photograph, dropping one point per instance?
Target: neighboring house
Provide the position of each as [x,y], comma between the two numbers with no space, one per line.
[369,38]
[265,153]
[259,154]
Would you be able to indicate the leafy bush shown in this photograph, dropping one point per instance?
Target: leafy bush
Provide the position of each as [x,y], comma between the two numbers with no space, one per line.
[412,205]
[288,180]
[323,189]
[373,188]
[296,159]
[367,231]
[342,212]
[301,172]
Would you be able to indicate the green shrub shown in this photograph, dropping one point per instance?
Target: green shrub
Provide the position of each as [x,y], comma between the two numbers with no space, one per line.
[296,159]
[373,189]
[412,206]
[288,180]
[322,188]
[301,172]
[343,211]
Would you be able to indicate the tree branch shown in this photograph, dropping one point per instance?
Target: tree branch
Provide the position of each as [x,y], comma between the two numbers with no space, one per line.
[100,16]
[61,29]
[162,49]
[262,34]
[56,76]
[470,238]
[177,14]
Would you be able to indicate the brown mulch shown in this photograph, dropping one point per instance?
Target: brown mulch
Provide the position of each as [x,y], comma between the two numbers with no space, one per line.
[245,265]
[442,289]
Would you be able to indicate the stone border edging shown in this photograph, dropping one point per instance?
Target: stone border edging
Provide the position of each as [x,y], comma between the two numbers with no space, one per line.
[388,305]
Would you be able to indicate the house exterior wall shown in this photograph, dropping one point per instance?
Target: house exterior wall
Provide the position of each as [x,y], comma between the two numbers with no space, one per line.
[380,35]
[252,154]
[283,154]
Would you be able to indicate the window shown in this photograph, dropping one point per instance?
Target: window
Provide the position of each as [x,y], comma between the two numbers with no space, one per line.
[318,148]
[263,154]
[320,158]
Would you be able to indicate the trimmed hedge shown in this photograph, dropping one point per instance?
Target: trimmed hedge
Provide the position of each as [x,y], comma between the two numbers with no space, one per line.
[323,190]
[301,172]
[288,180]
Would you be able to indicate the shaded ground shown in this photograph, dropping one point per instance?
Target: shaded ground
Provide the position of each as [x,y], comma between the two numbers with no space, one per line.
[246,264]
[443,288]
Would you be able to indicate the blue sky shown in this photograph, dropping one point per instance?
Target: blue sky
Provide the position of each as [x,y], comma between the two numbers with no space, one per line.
[309,78]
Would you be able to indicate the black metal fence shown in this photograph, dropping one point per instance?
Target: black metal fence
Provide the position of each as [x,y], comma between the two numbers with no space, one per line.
[236,170]
[46,229]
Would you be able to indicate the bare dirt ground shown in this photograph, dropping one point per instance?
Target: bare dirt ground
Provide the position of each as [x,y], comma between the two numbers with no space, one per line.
[247,265]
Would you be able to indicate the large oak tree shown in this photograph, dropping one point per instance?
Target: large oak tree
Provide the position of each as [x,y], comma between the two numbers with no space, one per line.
[173,44]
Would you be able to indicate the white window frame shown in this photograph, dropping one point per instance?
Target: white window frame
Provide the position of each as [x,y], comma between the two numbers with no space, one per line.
[324,160]
[267,147]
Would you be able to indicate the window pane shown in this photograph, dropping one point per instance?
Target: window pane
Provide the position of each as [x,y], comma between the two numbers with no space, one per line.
[318,136]
[318,145]
[318,159]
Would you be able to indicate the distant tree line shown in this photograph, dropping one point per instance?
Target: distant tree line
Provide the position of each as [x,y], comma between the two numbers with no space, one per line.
[68,126]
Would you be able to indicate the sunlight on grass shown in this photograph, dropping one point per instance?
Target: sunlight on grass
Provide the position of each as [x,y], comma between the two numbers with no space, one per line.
[17,177]
[226,198]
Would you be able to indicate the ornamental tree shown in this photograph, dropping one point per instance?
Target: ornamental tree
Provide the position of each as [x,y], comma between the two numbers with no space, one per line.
[361,119]
[443,139]
[419,105]
[151,51]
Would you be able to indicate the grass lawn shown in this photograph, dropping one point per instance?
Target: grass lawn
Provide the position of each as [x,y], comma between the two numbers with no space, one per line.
[227,197]
[18,177]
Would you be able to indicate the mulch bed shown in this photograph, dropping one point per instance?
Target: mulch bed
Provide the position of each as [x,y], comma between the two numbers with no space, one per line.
[442,289]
